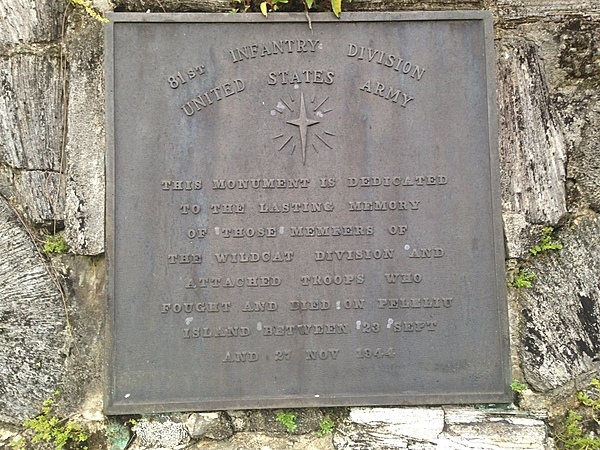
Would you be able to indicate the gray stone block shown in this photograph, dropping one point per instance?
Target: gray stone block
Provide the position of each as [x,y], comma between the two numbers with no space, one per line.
[32,324]
[532,149]
[561,312]
[173,5]
[84,204]
[456,428]
[160,433]
[31,111]
[540,9]
[30,21]
[37,192]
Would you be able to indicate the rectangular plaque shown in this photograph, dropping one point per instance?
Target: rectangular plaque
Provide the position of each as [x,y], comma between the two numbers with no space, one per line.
[303,217]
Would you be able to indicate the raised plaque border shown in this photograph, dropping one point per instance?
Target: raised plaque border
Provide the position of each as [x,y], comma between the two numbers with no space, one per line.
[112,406]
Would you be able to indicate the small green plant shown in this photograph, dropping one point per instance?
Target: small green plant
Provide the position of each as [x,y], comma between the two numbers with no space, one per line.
[325,426]
[270,5]
[523,279]
[241,5]
[336,6]
[546,242]
[288,420]
[267,6]
[55,244]
[588,401]
[49,428]
[90,10]
[572,436]
[517,386]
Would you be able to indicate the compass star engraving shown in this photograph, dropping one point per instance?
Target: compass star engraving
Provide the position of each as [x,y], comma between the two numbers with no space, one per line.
[303,122]
[311,111]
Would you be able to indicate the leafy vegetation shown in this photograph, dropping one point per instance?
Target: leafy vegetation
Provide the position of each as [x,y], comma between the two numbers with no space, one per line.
[90,10]
[578,433]
[590,402]
[267,6]
[523,279]
[241,5]
[546,242]
[288,420]
[325,426]
[270,5]
[56,244]
[49,428]
[336,7]
[518,386]
[572,436]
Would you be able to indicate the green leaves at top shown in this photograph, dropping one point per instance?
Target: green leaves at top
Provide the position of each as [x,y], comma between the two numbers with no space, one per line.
[336,7]
[270,5]
[267,6]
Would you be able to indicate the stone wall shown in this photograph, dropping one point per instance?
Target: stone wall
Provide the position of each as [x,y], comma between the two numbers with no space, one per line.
[52,183]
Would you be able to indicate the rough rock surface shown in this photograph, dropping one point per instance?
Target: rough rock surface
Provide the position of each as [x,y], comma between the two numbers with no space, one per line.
[583,167]
[566,41]
[85,147]
[540,9]
[579,61]
[440,428]
[307,420]
[32,324]
[160,433]
[31,110]
[83,281]
[31,125]
[173,5]
[262,441]
[29,21]
[382,428]
[37,192]
[210,425]
[561,312]
[426,5]
[532,150]
[457,428]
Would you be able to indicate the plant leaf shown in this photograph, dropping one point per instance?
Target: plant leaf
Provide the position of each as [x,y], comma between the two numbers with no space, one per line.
[309,3]
[336,7]
[263,8]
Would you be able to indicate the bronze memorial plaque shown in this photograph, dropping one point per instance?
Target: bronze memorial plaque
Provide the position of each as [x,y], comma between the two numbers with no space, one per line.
[303,217]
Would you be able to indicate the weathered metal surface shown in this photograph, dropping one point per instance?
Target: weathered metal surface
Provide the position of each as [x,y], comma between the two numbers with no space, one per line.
[303,217]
